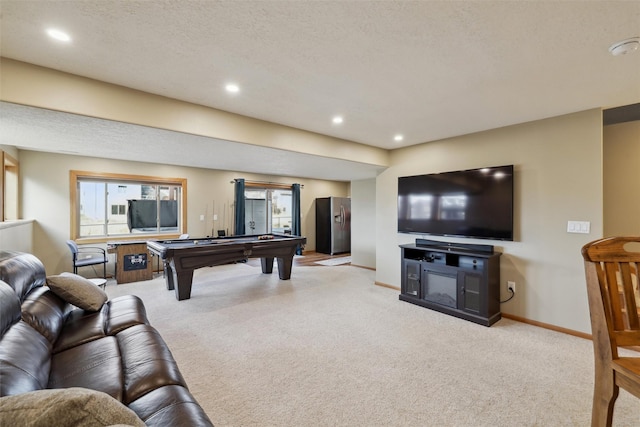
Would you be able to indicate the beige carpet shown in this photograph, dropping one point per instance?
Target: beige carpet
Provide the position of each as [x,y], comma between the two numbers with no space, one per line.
[329,348]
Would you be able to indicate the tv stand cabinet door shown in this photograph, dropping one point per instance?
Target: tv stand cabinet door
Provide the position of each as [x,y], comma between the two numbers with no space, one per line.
[410,284]
[472,293]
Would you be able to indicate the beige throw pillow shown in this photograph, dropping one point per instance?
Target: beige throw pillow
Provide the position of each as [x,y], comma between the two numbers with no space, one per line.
[65,407]
[78,291]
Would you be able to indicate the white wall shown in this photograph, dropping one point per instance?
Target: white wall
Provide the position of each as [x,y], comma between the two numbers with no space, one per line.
[45,198]
[363,224]
[558,177]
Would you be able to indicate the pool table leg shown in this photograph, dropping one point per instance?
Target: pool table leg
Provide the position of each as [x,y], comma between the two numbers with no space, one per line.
[183,281]
[180,281]
[267,265]
[168,275]
[284,267]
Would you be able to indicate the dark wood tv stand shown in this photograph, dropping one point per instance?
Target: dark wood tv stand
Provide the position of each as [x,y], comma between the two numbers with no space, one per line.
[457,279]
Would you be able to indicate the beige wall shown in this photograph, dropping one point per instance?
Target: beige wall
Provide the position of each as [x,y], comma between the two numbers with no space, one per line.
[558,165]
[16,236]
[558,177]
[45,189]
[622,179]
[363,224]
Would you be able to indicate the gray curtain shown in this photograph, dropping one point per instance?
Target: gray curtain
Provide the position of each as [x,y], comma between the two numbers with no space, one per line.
[239,215]
[296,226]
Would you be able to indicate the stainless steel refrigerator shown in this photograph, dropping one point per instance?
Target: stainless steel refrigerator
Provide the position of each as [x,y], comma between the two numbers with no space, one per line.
[333,225]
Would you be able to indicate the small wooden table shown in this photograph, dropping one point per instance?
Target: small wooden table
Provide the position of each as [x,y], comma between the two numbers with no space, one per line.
[133,261]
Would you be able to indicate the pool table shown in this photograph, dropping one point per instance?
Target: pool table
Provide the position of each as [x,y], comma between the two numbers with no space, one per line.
[181,257]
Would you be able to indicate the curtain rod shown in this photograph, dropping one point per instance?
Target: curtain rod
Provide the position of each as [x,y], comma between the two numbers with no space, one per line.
[266,183]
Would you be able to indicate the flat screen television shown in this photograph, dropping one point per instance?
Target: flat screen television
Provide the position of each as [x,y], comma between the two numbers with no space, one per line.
[476,203]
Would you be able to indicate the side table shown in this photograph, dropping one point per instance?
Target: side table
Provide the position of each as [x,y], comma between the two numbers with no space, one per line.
[99,282]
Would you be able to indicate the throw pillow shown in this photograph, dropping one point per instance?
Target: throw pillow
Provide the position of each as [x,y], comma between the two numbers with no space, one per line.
[78,291]
[65,407]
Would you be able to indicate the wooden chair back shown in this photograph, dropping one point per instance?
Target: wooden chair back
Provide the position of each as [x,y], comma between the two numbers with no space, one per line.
[611,268]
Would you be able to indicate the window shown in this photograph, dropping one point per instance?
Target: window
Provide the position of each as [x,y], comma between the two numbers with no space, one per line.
[8,187]
[113,205]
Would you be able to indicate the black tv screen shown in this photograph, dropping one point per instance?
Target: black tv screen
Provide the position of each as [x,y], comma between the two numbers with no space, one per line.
[475,203]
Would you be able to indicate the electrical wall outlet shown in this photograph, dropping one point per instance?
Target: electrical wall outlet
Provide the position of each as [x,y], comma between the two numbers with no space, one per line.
[511,285]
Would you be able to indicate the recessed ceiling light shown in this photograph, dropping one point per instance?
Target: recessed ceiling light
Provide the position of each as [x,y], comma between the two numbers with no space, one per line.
[625,46]
[337,120]
[232,88]
[58,35]
[398,138]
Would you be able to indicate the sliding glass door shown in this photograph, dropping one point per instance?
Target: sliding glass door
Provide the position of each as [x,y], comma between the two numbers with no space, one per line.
[267,211]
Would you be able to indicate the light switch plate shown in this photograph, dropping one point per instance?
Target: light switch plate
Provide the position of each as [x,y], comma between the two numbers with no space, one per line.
[583,227]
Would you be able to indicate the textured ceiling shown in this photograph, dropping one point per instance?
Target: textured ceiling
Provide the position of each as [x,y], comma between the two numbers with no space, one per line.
[425,69]
[79,135]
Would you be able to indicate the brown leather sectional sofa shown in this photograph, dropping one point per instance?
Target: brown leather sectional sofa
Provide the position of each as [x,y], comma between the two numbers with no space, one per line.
[47,343]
